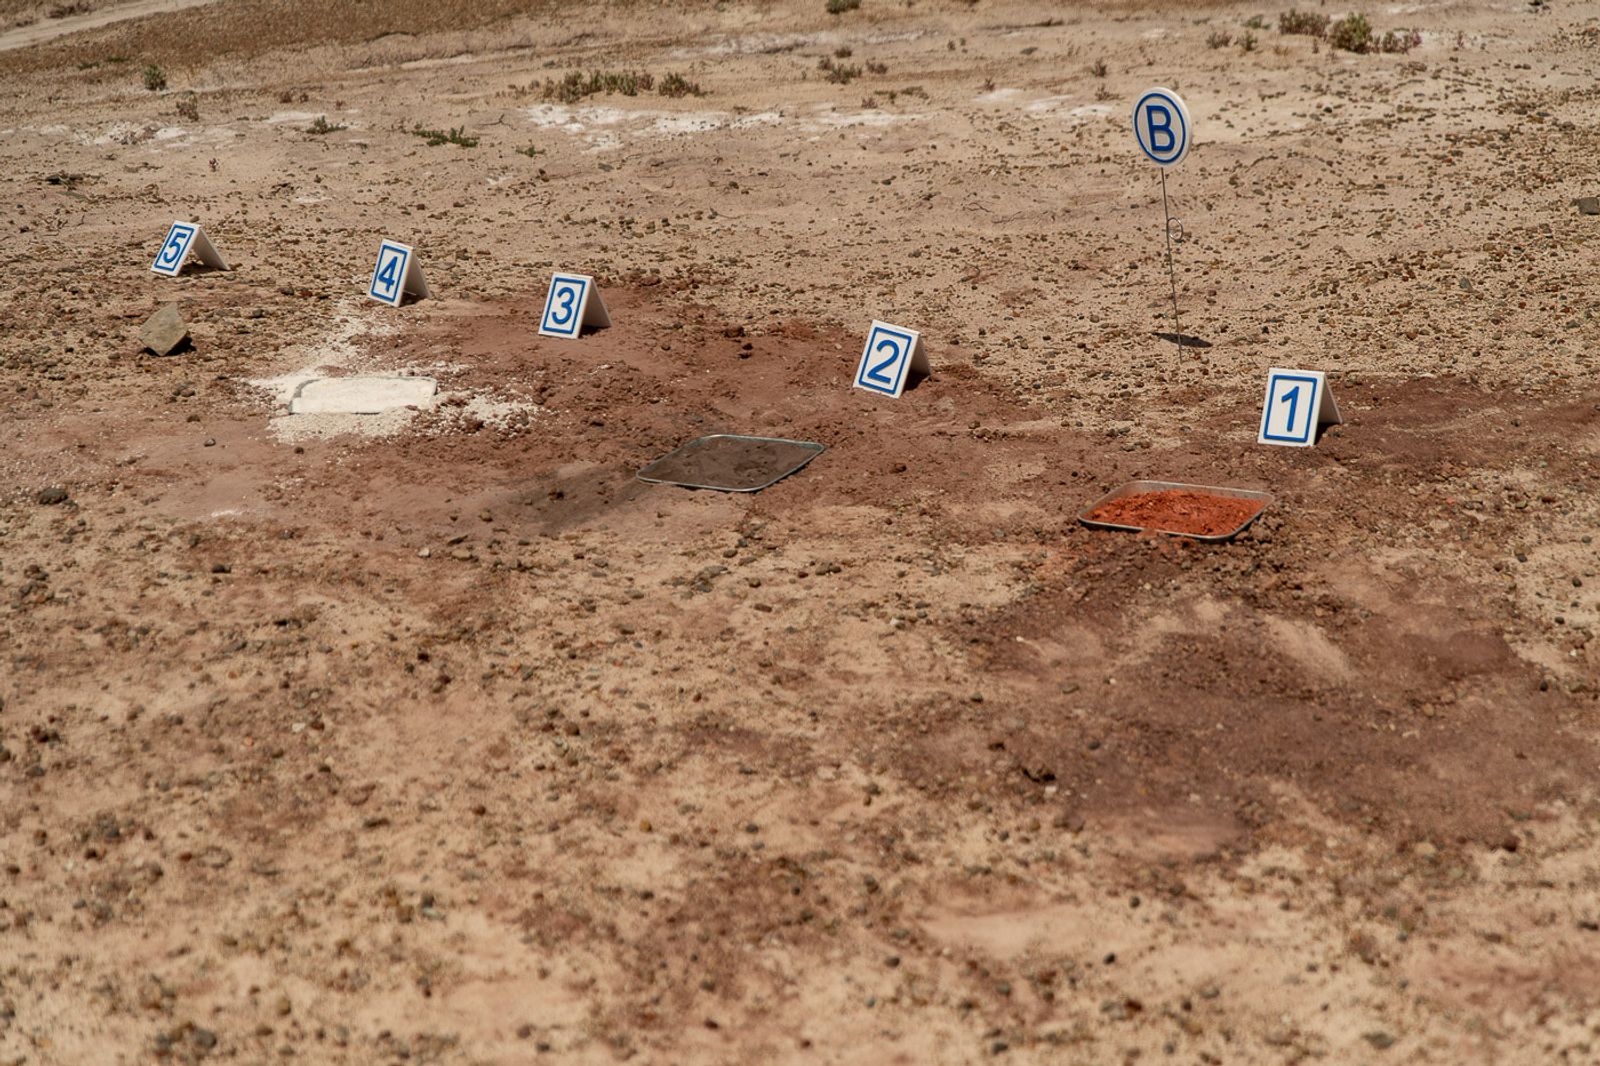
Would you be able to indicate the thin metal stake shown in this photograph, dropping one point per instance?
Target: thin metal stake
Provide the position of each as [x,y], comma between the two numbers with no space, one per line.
[1172,273]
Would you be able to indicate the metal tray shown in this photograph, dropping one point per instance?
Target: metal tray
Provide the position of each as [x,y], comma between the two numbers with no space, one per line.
[766,461]
[1134,488]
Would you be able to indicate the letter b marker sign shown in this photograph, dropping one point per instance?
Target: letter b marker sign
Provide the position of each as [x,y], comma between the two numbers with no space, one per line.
[1161,125]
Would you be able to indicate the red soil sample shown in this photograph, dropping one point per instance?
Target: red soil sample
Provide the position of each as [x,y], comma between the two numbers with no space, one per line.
[1198,514]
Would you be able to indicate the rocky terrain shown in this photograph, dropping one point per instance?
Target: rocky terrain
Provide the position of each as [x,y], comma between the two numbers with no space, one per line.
[436,736]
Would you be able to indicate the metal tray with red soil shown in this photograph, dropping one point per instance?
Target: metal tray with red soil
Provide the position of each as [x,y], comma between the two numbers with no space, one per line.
[1201,512]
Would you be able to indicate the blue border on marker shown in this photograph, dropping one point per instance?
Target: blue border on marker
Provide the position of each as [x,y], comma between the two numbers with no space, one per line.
[400,277]
[188,233]
[1138,134]
[905,360]
[557,283]
[1316,408]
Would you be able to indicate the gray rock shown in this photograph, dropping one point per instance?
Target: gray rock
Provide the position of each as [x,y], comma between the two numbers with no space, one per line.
[1588,205]
[51,496]
[165,331]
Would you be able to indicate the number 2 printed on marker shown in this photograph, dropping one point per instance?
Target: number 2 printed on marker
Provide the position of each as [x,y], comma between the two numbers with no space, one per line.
[877,373]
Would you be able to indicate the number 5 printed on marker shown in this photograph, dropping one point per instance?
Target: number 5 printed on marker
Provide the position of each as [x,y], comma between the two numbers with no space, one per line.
[174,249]
[183,240]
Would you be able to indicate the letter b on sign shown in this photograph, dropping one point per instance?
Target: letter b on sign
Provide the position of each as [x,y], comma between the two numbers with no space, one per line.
[1162,127]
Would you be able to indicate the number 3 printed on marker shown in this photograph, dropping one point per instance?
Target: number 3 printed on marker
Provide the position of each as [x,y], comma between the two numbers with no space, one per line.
[564,306]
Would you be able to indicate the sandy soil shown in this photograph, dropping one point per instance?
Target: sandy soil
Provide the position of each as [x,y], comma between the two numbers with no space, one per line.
[438,737]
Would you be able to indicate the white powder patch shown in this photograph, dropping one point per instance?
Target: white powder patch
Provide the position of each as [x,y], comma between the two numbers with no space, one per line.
[336,356]
[573,119]
[605,127]
[283,387]
[336,352]
[757,44]
[846,120]
[502,414]
[124,133]
[363,394]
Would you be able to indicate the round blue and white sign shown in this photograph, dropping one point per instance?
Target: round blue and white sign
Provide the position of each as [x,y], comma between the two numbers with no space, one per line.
[1162,127]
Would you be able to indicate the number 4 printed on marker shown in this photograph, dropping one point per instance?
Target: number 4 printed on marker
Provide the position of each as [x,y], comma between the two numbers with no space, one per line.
[396,275]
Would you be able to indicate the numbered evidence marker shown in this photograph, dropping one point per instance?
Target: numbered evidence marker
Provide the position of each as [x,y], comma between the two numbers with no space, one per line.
[891,353]
[183,240]
[574,302]
[397,274]
[1161,125]
[1298,401]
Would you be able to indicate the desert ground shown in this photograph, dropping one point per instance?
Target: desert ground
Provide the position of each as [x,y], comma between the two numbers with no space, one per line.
[437,737]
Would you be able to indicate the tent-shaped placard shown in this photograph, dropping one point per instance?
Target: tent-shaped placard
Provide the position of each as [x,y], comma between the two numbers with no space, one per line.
[1298,403]
[186,239]
[888,359]
[573,303]
[397,275]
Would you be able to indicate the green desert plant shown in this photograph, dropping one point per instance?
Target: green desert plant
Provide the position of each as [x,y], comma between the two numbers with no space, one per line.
[1353,33]
[1303,23]
[839,7]
[456,136]
[675,84]
[155,79]
[575,85]
[322,126]
[839,73]
[1401,42]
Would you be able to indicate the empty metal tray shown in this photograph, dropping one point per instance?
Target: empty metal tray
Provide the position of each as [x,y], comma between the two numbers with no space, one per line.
[731,462]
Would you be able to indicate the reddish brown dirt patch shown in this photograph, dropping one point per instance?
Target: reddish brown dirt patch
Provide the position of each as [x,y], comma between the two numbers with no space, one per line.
[1196,514]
